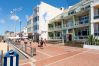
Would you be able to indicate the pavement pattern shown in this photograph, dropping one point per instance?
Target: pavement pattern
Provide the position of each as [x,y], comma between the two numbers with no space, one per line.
[59,55]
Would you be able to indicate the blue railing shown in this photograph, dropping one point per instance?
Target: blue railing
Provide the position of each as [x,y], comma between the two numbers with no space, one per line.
[96,17]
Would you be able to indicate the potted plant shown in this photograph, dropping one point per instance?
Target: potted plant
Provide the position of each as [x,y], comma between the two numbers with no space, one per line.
[91,43]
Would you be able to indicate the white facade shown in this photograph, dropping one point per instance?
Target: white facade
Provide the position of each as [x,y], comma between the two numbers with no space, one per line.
[44,12]
[78,21]
[9,34]
[30,24]
[95,18]
[24,32]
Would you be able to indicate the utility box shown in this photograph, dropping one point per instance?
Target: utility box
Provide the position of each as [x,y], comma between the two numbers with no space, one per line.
[11,58]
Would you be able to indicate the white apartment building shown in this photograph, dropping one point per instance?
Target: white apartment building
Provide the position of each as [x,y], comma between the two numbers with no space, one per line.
[76,23]
[9,34]
[24,32]
[42,13]
[29,25]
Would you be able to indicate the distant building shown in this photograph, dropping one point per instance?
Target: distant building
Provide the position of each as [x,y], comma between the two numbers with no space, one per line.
[9,34]
[42,13]
[24,32]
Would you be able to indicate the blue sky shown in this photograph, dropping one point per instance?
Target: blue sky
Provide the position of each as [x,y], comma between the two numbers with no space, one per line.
[26,6]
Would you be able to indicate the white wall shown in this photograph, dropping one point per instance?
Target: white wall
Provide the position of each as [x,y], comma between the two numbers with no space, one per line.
[49,12]
[91,47]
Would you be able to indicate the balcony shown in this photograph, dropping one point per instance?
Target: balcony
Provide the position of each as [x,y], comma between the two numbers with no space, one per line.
[35,23]
[80,38]
[81,24]
[96,17]
[58,27]
[55,38]
[64,25]
[50,28]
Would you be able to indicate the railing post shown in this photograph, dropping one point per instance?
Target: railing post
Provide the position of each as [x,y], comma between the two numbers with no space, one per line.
[31,49]
[8,47]
[25,45]
[1,58]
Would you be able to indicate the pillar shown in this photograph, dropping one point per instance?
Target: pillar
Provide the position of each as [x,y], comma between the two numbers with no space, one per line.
[91,27]
[74,21]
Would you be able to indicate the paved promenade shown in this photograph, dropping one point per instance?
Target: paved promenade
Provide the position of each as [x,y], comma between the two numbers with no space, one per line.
[3,46]
[58,55]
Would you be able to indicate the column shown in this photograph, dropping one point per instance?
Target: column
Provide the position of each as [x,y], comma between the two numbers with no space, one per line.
[62,31]
[62,23]
[53,35]
[92,29]
[53,25]
[74,21]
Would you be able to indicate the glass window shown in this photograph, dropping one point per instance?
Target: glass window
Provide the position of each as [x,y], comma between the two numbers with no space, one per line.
[96,29]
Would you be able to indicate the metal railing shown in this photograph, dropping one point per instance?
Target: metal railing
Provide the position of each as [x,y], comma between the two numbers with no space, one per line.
[96,17]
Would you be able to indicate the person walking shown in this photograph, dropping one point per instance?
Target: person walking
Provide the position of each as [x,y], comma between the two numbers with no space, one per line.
[45,42]
[41,43]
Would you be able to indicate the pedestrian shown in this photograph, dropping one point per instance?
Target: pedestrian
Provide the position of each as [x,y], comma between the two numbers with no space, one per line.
[37,41]
[41,43]
[45,42]
[30,43]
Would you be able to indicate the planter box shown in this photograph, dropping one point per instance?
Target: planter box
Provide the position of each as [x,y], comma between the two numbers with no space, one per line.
[91,46]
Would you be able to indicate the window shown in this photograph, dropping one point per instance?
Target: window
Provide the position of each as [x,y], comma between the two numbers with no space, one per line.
[83,19]
[29,29]
[82,32]
[98,11]
[72,12]
[96,29]
[35,19]
[29,22]
[35,27]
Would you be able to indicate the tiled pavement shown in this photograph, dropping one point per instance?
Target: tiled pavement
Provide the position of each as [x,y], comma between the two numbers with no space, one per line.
[58,55]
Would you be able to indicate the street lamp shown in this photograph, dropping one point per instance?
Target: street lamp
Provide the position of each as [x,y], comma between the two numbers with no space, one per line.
[15,18]
[20,28]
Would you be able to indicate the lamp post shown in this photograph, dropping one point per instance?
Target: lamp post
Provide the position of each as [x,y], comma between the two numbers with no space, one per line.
[15,18]
[20,28]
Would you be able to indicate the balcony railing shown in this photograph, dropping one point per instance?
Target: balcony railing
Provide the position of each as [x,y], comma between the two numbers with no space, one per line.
[64,25]
[80,37]
[57,27]
[55,38]
[96,17]
[50,28]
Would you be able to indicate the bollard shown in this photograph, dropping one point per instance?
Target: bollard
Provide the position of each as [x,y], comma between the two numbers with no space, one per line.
[33,51]
[30,43]
[1,58]
[11,58]
[25,45]
[8,47]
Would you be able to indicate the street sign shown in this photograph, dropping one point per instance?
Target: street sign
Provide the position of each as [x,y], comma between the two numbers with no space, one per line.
[11,58]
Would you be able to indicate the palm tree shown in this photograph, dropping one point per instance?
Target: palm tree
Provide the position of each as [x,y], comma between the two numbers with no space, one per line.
[91,39]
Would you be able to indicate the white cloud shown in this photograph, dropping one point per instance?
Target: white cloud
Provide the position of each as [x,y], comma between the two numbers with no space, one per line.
[16,10]
[2,21]
[14,17]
